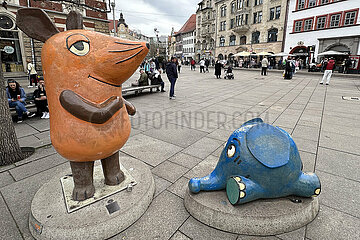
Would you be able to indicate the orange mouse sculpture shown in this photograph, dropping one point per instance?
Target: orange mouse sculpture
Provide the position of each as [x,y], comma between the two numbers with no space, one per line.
[84,71]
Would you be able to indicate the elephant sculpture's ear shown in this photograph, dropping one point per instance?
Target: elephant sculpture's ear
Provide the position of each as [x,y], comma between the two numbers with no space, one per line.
[252,121]
[268,145]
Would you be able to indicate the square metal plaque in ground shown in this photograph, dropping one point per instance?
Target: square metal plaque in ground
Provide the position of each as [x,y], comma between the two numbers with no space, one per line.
[101,190]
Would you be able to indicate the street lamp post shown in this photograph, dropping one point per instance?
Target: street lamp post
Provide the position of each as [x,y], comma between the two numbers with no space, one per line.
[113,9]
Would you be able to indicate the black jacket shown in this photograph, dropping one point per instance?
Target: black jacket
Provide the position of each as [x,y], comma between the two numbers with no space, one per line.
[171,70]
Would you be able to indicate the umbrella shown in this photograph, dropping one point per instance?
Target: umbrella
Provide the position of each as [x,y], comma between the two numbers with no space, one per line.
[242,54]
[332,53]
[282,54]
[264,54]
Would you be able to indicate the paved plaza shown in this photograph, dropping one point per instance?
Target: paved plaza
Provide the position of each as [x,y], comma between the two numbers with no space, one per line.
[180,139]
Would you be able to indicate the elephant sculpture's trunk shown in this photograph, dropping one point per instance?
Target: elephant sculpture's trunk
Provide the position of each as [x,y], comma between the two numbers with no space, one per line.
[213,181]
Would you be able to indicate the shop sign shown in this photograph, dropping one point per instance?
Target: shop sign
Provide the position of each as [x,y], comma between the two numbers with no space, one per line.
[9,49]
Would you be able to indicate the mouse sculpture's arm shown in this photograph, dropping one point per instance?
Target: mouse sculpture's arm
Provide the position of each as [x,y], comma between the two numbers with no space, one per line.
[130,107]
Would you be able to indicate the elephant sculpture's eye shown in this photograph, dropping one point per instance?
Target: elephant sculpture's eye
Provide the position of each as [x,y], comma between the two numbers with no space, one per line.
[231,150]
[80,48]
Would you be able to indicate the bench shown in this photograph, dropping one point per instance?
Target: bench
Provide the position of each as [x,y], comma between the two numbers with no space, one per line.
[139,89]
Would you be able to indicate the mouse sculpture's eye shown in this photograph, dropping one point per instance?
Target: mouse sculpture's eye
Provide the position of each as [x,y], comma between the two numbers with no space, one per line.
[231,150]
[80,48]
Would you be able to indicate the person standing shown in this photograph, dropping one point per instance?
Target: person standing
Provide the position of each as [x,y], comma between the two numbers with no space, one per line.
[32,74]
[146,66]
[202,66]
[192,63]
[172,75]
[328,71]
[218,69]
[207,63]
[264,65]
[178,66]
[16,98]
[41,99]
[348,64]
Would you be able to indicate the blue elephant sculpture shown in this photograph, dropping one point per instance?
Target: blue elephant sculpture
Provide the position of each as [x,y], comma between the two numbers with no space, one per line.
[259,161]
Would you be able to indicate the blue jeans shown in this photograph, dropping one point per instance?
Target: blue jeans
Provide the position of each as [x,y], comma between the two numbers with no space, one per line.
[172,86]
[19,106]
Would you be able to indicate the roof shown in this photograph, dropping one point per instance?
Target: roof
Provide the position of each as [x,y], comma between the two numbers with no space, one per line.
[189,26]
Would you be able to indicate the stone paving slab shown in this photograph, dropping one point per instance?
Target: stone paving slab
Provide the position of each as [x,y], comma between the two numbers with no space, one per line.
[300,106]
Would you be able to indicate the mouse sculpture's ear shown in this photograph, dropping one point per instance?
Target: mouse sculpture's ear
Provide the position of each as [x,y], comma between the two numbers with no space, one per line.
[35,23]
[74,20]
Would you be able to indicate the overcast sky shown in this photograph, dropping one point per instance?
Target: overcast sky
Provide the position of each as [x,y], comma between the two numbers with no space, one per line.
[145,15]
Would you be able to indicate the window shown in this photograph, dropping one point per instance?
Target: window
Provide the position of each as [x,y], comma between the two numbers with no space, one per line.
[232,23]
[232,40]
[298,26]
[308,23]
[208,15]
[222,41]
[233,7]
[350,18]
[335,20]
[324,1]
[258,2]
[255,18]
[272,35]
[259,17]
[223,11]
[246,18]
[301,4]
[239,4]
[255,37]
[312,3]
[272,13]
[278,12]
[239,20]
[321,22]
[243,40]
[223,26]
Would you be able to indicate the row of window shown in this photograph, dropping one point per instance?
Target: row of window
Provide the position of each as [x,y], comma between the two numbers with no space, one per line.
[188,50]
[239,4]
[188,41]
[255,38]
[302,4]
[240,20]
[338,19]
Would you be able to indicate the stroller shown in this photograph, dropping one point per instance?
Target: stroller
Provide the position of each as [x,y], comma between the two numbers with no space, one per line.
[228,73]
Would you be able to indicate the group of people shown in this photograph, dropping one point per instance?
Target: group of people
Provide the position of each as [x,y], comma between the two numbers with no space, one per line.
[17,99]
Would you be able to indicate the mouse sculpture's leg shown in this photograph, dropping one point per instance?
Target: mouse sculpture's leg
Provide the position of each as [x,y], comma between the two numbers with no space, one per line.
[241,190]
[83,180]
[111,168]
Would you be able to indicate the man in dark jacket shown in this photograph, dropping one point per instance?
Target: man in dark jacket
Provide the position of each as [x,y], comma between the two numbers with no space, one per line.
[172,75]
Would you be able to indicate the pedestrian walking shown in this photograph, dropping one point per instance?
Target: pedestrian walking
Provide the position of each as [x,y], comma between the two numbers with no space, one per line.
[32,74]
[348,64]
[328,71]
[264,66]
[172,75]
[218,69]
[207,63]
[202,66]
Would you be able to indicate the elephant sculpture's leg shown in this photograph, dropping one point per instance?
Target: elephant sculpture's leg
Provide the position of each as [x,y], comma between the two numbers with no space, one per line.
[308,185]
[83,180]
[111,168]
[241,190]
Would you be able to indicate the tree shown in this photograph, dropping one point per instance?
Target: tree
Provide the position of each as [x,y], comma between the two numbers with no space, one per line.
[10,150]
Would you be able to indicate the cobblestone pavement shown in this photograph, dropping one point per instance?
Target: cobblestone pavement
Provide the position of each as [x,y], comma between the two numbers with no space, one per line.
[182,138]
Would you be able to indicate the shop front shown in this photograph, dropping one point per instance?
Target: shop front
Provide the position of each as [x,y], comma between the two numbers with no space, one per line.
[10,45]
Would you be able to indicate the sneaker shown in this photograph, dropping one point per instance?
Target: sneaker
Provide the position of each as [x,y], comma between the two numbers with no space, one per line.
[19,120]
[327,84]
[163,91]
[30,86]
[30,115]
[321,83]
[47,115]
[172,98]
[43,115]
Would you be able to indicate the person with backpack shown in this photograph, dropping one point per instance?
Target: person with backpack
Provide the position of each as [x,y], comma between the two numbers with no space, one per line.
[329,67]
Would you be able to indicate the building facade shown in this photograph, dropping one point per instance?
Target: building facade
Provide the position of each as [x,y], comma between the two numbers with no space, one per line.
[185,40]
[18,49]
[205,30]
[249,25]
[316,26]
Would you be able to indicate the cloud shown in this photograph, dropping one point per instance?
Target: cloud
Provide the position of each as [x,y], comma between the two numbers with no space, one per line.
[145,15]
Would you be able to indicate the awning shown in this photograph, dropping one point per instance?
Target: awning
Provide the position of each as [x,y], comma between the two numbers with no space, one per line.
[332,53]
